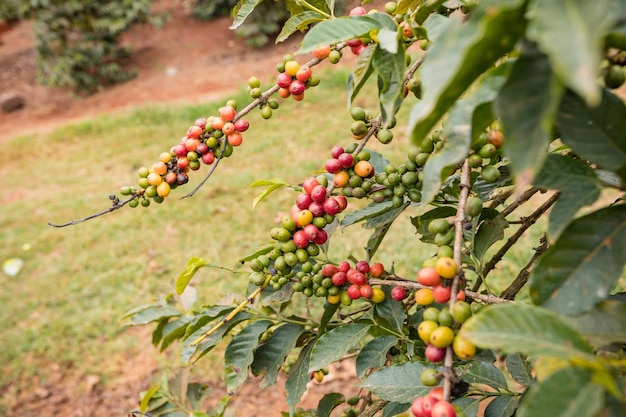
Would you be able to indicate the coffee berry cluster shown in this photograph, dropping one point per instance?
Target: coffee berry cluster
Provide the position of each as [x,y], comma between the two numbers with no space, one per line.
[206,140]
[293,79]
[433,405]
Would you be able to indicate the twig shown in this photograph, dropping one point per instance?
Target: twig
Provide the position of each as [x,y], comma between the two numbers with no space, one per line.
[117,204]
[374,408]
[213,168]
[518,283]
[526,223]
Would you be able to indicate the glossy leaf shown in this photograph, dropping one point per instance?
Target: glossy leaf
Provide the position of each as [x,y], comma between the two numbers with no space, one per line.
[426,8]
[578,185]
[468,405]
[459,131]
[239,353]
[435,24]
[569,392]
[391,312]
[335,343]
[329,312]
[372,210]
[363,69]
[385,218]
[479,372]
[519,369]
[489,232]
[390,68]
[204,347]
[299,377]
[193,265]
[397,383]
[150,313]
[503,406]
[272,185]
[527,106]
[374,354]
[531,330]
[403,6]
[329,402]
[376,238]
[330,32]
[174,330]
[298,22]
[595,133]
[462,53]
[205,317]
[270,356]
[242,10]
[604,325]
[579,270]
[571,33]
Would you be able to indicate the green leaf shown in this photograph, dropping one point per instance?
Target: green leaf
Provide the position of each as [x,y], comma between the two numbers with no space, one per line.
[363,68]
[393,409]
[531,330]
[604,325]
[374,354]
[335,343]
[527,105]
[298,22]
[242,10]
[372,210]
[485,373]
[582,266]
[489,232]
[272,185]
[388,40]
[462,53]
[151,312]
[403,6]
[397,383]
[263,251]
[174,330]
[435,24]
[425,9]
[330,32]
[468,405]
[269,357]
[193,265]
[568,392]
[385,218]
[390,68]
[207,316]
[147,396]
[240,353]
[503,406]
[595,133]
[519,369]
[299,377]
[571,33]
[328,403]
[376,238]
[391,311]
[329,312]
[459,130]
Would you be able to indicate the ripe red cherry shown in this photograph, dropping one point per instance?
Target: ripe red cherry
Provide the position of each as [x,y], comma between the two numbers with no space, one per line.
[321,238]
[180,150]
[366,291]
[398,293]
[297,87]
[329,270]
[303,201]
[194,132]
[316,208]
[343,202]
[436,393]
[311,231]
[428,276]
[443,408]
[354,292]
[354,43]
[242,125]
[363,266]
[441,294]
[377,269]
[301,239]
[208,158]
[182,162]
[357,278]
[417,407]
[303,73]
[202,148]
[227,113]
[309,183]
[339,278]
[427,405]
[344,266]
[336,151]
[357,11]
[331,206]
[201,122]
[318,193]
[333,166]
[346,160]
[434,354]
[283,80]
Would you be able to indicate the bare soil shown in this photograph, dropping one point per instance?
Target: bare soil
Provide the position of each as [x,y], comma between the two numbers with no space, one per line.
[184,61]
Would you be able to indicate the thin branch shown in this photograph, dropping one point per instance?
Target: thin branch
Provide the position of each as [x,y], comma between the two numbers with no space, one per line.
[526,223]
[374,408]
[117,204]
[213,168]
[518,283]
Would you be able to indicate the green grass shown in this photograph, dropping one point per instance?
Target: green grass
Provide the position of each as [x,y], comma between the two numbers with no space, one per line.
[65,306]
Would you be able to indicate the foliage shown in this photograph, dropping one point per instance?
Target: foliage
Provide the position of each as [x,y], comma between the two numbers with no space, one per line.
[507,110]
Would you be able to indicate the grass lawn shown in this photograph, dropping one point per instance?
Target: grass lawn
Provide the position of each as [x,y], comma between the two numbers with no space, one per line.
[65,306]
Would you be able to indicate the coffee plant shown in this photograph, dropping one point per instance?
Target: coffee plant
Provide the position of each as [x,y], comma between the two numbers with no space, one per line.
[516,99]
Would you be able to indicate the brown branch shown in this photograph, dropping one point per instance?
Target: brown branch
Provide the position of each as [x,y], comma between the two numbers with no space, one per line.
[374,408]
[518,283]
[117,204]
[526,223]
